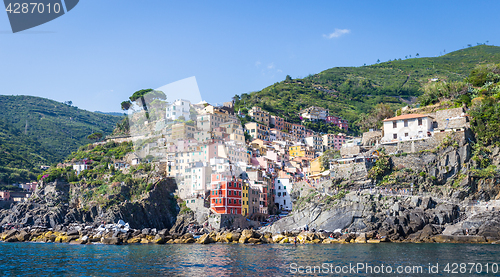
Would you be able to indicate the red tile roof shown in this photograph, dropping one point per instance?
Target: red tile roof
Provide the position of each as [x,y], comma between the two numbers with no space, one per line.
[406,116]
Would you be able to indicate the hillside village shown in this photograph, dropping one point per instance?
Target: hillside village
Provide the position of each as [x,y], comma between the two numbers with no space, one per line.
[226,169]
[251,164]
[251,170]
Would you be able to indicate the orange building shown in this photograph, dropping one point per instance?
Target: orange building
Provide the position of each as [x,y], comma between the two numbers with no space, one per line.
[225,195]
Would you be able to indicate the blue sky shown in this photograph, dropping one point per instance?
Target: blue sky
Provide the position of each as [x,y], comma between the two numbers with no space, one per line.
[100,52]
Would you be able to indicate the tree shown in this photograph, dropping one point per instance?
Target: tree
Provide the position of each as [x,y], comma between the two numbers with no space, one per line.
[327,157]
[288,78]
[95,136]
[147,96]
[126,105]
[417,55]
[373,120]
[378,60]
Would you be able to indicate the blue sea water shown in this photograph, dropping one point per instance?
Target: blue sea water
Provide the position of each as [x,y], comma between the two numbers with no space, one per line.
[48,259]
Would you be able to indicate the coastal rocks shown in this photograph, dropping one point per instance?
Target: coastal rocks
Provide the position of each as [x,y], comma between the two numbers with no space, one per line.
[58,204]
[393,218]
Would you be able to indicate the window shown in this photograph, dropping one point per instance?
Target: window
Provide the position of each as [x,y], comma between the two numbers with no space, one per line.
[284,193]
[229,193]
[406,123]
[406,134]
[394,124]
[394,136]
[230,200]
[419,121]
[284,202]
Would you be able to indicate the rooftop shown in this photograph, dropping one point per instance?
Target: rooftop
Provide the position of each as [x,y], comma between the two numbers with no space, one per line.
[406,116]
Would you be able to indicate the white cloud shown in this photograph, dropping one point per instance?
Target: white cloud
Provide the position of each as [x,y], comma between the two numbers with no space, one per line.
[257,63]
[270,66]
[337,33]
[279,70]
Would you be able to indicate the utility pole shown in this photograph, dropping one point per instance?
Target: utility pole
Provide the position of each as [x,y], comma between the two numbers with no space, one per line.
[26,128]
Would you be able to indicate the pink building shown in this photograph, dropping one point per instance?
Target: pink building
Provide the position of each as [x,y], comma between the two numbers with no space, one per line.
[337,121]
[278,122]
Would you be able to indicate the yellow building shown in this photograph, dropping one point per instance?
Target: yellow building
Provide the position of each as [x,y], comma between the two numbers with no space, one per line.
[300,150]
[315,168]
[244,199]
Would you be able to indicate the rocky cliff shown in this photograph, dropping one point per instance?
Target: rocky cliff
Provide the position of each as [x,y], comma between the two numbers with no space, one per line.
[424,194]
[60,204]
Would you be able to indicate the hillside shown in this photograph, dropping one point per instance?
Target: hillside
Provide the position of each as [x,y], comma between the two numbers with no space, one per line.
[351,92]
[38,131]
[20,156]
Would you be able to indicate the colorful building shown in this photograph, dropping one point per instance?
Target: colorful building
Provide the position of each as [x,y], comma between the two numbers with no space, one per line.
[300,150]
[225,195]
[257,130]
[278,122]
[337,121]
[259,115]
[331,141]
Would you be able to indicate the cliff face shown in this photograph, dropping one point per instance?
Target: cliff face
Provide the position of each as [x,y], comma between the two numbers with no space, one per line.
[394,217]
[57,203]
[445,185]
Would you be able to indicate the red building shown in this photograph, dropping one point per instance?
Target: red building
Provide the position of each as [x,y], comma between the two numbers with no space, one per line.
[225,195]
[335,120]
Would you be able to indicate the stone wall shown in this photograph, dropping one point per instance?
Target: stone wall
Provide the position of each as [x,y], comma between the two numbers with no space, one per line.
[350,151]
[371,138]
[414,146]
[235,221]
[451,119]
[349,171]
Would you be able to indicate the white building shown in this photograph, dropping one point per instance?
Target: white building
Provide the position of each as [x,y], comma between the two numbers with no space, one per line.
[314,113]
[407,127]
[79,167]
[200,177]
[315,142]
[177,109]
[282,198]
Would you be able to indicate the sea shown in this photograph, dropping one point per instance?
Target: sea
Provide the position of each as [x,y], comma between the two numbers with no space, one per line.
[384,259]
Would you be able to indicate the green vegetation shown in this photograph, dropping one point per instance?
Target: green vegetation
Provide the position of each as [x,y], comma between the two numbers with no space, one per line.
[381,168]
[354,92]
[102,184]
[44,131]
[20,155]
[327,157]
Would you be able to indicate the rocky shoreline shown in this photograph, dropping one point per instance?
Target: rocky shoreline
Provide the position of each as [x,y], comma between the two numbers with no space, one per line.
[121,234]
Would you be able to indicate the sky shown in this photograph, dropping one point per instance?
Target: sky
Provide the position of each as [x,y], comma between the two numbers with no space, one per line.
[101,52]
